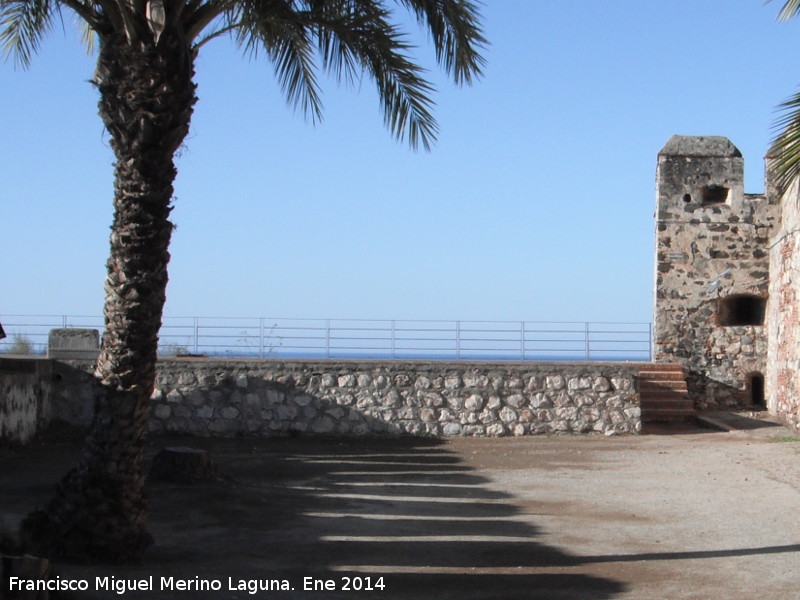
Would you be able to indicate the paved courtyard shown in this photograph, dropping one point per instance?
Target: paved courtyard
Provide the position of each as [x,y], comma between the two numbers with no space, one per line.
[695,514]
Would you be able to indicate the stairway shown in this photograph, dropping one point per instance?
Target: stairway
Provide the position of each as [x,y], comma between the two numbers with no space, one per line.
[663,394]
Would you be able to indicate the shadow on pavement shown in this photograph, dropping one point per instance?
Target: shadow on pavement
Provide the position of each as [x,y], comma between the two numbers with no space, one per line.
[403,513]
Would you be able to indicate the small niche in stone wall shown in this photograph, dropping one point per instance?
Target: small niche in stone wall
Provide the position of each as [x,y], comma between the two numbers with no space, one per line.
[741,309]
[714,194]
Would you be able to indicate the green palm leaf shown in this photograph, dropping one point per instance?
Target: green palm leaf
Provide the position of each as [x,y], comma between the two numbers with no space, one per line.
[359,34]
[785,150]
[457,35]
[789,9]
[23,24]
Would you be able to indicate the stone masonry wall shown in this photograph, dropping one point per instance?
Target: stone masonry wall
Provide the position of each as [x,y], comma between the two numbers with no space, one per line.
[783,380]
[712,246]
[205,397]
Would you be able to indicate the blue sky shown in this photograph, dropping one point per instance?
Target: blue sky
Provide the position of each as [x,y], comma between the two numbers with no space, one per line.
[535,204]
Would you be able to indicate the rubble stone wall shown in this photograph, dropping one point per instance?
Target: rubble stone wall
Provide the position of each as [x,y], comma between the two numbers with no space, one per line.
[207,397]
[783,379]
[712,246]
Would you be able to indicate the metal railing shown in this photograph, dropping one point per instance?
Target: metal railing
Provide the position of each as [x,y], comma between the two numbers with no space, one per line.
[261,337]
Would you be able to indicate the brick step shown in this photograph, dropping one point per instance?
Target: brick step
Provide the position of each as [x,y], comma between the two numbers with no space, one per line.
[661,372]
[663,394]
[657,386]
[659,366]
[668,394]
[677,377]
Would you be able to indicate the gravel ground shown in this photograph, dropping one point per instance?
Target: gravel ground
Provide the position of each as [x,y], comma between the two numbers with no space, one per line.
[678,514]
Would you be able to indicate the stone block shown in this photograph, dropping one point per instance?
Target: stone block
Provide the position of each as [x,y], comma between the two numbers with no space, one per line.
[323,425]
[451,429]
[516,400]
[73,344]
[162,411]
[452,382]
[474,402]
[508,414]
[495,430]
[229,412]
[347,381]
[427,415]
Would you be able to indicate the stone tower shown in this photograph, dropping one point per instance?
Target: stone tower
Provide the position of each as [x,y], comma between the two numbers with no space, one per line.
[712,272]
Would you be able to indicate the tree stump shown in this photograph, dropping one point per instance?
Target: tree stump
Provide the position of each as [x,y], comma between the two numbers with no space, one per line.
[179,464]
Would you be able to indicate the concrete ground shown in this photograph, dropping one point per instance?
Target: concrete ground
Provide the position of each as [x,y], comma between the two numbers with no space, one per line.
[677,514]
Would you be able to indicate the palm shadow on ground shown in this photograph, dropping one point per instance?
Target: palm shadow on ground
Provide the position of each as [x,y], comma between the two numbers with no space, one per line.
[406,510]
[409,510]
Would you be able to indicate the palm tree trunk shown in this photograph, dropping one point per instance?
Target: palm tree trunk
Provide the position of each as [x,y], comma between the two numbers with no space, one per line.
[146,99]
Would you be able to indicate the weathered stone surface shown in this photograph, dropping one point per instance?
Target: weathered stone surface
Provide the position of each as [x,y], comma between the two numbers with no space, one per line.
[712,247]
[341,398]
[323,425]
[73,343]
[508,414]
[204,412]
[474,402]
[427,415]
[422,383]
[495,430]
[347,380]
[451,429]
[229,412]
[174,396]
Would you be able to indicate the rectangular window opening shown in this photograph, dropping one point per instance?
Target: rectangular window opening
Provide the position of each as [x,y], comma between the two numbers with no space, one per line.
[714,194]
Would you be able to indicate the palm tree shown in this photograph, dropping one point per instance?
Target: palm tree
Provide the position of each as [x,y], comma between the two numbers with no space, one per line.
[785,151]
[144,75]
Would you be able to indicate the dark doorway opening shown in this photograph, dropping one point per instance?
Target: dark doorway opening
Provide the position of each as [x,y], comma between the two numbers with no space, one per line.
[757,390]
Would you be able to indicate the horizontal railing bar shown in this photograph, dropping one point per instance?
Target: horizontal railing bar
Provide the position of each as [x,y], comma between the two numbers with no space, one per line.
[432,339]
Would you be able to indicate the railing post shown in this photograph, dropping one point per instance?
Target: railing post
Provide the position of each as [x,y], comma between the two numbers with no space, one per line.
[261,337]
[586,334]
[458,340]
[393,343]
[196,334]
[522,339]
[327,338]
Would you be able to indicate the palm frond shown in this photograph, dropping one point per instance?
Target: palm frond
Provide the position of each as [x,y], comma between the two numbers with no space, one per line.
[784,153]
[357,35]
[406,101]
[789,9]
[348,38]
[88,34]
[284,33]
[197,15]
[457,36]
[785,149]
[23,24]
